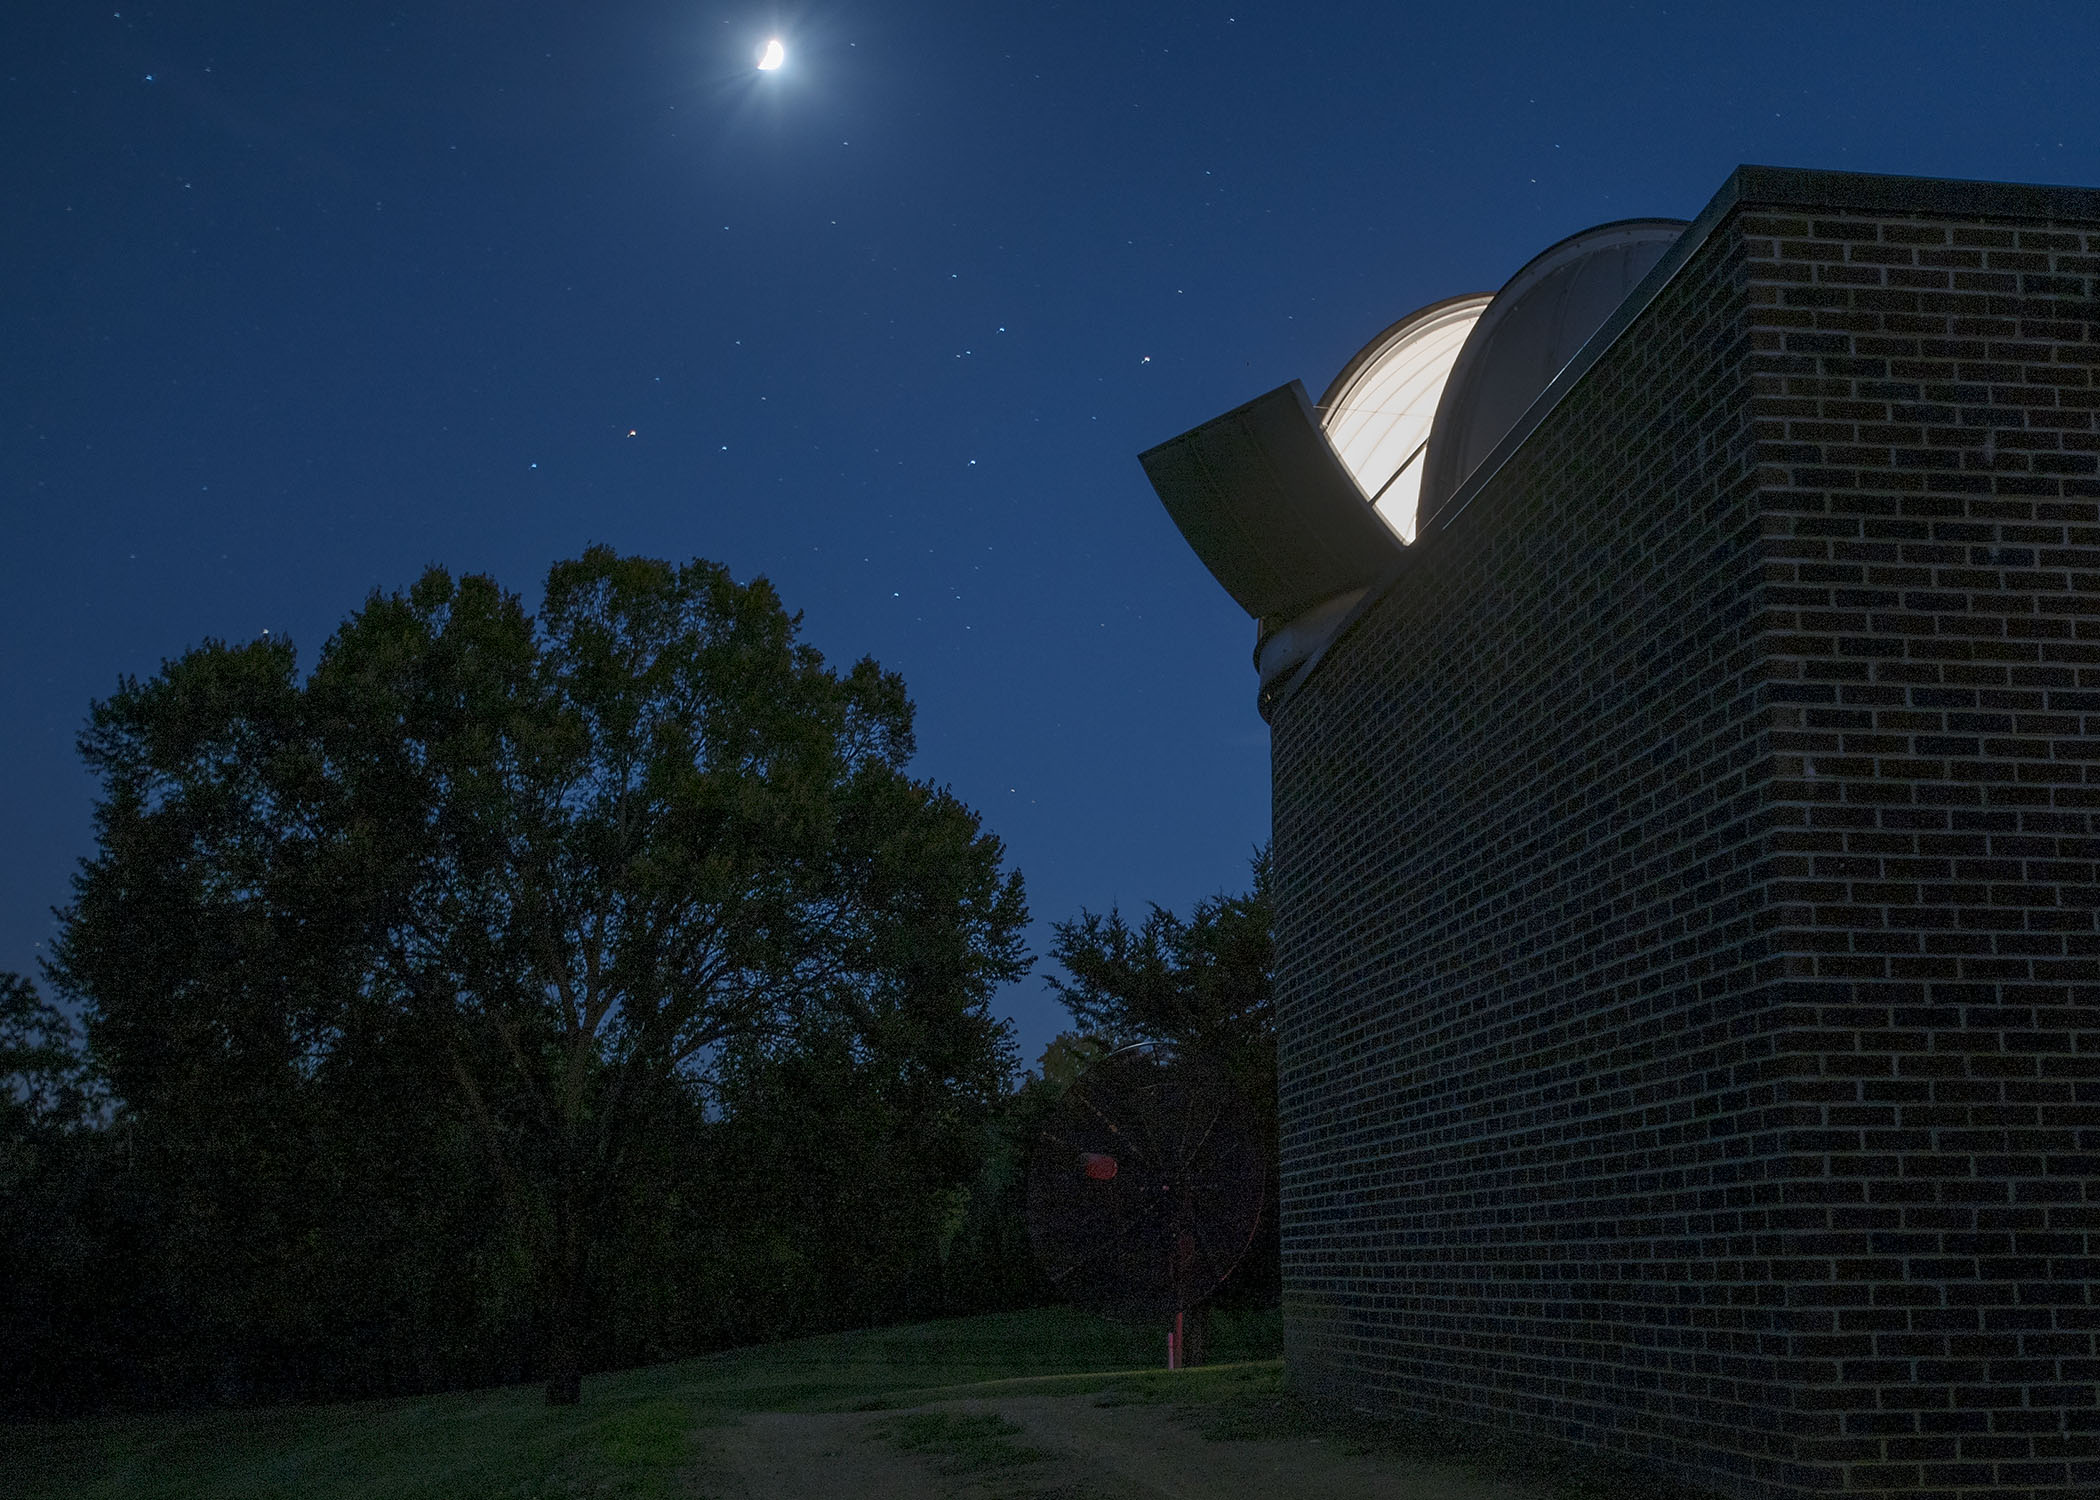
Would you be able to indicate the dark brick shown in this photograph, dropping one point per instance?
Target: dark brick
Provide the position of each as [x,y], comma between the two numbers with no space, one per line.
[1689,972]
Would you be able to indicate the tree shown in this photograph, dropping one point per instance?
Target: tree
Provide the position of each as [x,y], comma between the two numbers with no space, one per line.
[45,1083]
[74,1314]
[1207,983]
[578,860]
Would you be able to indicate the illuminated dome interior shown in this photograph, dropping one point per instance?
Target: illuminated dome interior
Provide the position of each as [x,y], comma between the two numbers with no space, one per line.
[1378,411]
[1303,511]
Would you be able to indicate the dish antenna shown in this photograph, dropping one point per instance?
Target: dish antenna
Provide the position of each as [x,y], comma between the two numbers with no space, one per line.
[1145,1188]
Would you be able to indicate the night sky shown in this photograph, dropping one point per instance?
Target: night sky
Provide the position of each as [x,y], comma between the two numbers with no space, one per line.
[296,300]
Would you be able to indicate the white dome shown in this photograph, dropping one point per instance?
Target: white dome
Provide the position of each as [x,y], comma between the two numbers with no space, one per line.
[1537,323]
[1378,411]
[1304,512]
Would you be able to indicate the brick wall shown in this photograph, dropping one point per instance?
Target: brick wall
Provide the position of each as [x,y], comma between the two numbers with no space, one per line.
[1686,877]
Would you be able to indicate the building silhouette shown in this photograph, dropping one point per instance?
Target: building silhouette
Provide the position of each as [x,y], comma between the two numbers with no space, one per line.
[1686,844]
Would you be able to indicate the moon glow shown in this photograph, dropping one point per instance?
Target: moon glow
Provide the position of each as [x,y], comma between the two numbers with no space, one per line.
[771,56]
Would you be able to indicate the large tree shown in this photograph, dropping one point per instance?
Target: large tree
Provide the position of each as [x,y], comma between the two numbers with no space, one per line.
[576,861]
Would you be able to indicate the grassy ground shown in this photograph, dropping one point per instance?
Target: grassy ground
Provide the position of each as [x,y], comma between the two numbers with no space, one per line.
[629,1438]
[636,1431]
[1263,1413]
[1246,1401]
[967,1442]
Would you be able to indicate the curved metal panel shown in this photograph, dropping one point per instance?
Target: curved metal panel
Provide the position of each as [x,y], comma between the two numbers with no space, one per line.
[1264,500]
[1537,323]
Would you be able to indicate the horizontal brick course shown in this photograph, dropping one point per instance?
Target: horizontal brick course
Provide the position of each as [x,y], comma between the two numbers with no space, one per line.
[1687,879]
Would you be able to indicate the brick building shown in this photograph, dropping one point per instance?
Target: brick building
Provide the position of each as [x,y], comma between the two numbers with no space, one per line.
[1686,851]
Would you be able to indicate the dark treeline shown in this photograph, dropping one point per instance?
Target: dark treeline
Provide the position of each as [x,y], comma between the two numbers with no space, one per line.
[515,995]
[343,1245]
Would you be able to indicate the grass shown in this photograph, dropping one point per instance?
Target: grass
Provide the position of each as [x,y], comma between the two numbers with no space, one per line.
[629,1438]
[1567,1473]
[966,1442]
[495,1443]
[638,1430]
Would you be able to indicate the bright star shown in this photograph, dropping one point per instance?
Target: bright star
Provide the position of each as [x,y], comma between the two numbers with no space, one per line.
[772,56]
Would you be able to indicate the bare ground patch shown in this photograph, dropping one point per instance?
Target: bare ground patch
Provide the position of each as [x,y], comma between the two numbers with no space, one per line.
[1082,1447]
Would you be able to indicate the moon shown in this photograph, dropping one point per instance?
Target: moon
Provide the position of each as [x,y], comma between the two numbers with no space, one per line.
[771,56]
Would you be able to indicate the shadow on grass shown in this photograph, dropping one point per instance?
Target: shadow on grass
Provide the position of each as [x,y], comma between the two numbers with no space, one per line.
[1556,1469]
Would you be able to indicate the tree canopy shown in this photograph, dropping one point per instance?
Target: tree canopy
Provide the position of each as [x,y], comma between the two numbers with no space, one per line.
[1205,981]
[45,1084]
[541,876]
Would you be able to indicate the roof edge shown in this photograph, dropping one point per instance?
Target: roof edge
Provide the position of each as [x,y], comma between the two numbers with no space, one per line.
[1384,336]
[1748,186]
[1806,187]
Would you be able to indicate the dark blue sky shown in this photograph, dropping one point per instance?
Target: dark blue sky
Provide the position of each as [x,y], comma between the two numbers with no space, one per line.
[295,300]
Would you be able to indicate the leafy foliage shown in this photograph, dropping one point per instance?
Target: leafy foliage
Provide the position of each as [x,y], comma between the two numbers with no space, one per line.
[45,1082]
[74,1316]
[1205,982]
[440,987]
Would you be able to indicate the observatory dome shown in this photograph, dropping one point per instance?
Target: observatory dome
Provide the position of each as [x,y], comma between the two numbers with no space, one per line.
[1378,411]
[1530,330]
[1302,511]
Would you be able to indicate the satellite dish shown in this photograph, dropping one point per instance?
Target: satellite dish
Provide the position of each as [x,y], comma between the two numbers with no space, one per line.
[1145,1187]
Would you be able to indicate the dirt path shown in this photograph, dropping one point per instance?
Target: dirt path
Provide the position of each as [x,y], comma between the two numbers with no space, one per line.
[779,1455]
[1090,1451]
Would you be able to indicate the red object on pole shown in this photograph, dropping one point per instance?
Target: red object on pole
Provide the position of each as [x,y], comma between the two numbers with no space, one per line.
[1174,1342]
[1099,1166]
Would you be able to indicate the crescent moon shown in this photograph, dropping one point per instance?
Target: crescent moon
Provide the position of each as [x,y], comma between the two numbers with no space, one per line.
[772,56]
